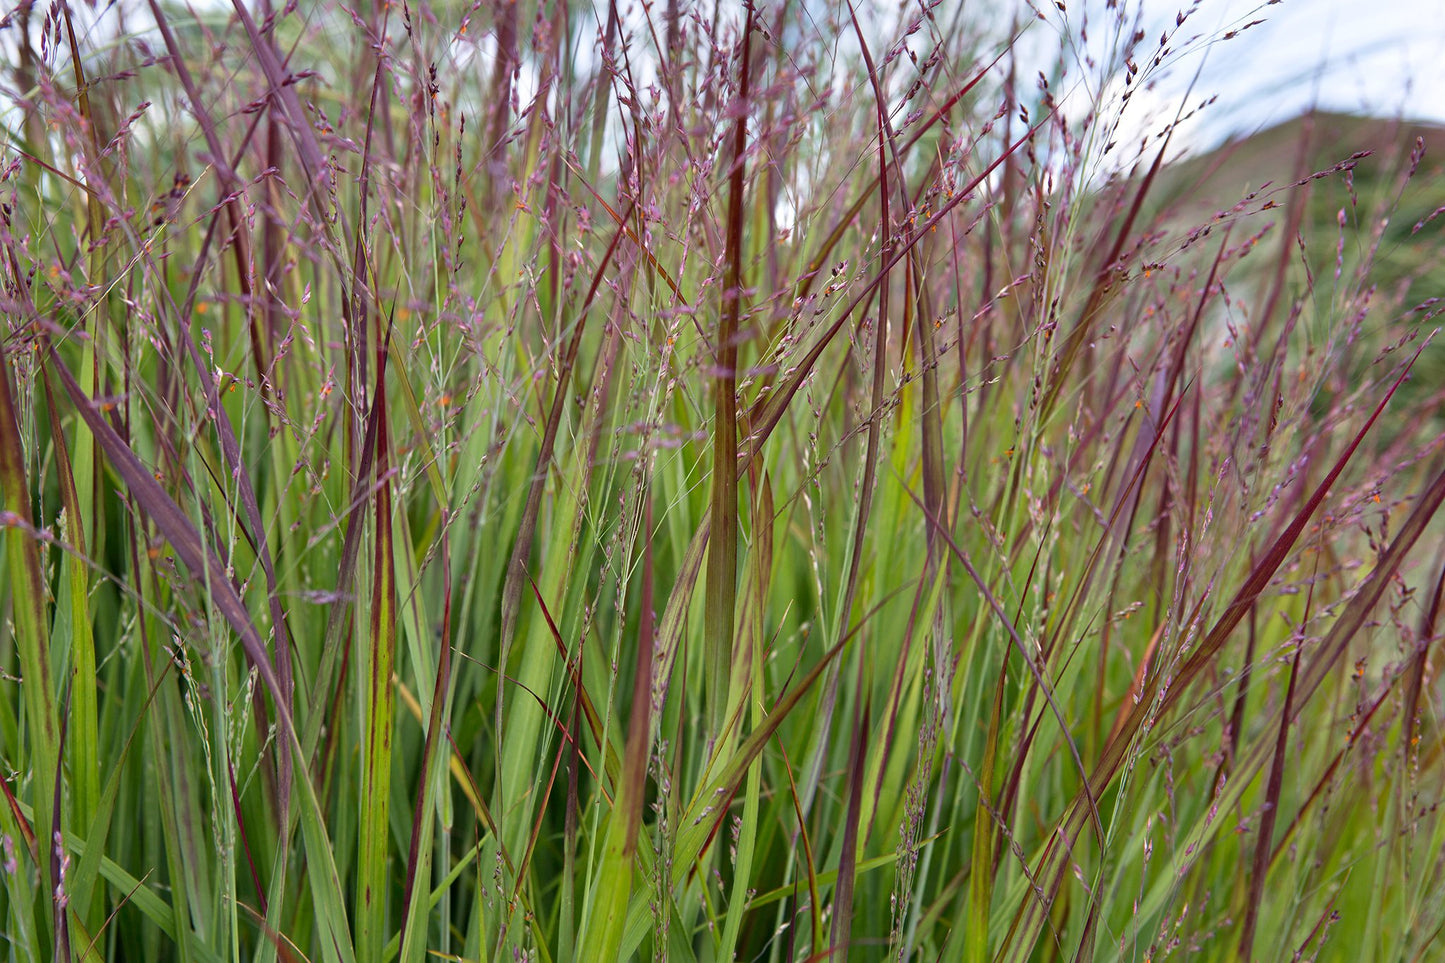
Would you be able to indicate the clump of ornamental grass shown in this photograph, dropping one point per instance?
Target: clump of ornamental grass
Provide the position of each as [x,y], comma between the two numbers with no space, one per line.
[529,480]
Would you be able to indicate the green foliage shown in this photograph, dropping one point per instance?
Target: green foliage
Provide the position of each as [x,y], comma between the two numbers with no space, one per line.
[529,481]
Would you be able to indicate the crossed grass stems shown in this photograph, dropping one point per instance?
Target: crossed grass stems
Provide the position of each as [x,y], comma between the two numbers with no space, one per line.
[539,480]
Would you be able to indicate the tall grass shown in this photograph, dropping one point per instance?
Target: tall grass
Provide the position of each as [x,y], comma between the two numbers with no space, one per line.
[525,480]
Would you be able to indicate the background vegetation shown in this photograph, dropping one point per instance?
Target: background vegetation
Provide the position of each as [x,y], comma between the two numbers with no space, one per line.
[537,481]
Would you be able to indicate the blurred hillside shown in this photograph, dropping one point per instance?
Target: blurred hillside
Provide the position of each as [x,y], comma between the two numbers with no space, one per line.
[1280,164]
[1345,210]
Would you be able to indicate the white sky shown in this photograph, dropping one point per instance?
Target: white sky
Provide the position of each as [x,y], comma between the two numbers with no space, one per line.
[1383,57]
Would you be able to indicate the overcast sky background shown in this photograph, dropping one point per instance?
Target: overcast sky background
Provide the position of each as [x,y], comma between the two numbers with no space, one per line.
[1380,57]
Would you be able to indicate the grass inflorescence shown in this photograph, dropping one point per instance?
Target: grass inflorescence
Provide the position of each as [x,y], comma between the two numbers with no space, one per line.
[528,480]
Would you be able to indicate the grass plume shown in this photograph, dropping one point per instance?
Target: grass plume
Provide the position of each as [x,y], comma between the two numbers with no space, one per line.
[767,481]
